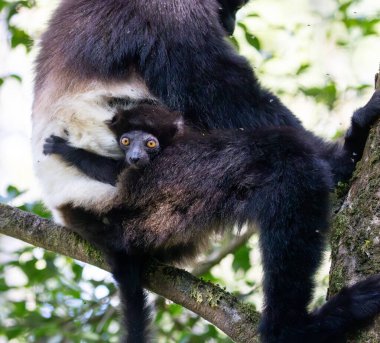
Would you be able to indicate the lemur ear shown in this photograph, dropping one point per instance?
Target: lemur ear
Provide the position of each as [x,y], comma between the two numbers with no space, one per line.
[113,122]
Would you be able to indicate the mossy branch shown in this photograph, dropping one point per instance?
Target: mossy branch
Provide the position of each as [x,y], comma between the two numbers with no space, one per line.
[355,235]
[237,320]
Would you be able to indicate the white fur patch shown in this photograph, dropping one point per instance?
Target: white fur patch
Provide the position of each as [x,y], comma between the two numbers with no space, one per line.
[80,118]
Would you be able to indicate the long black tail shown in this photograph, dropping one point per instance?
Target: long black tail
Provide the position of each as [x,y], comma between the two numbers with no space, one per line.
[127,271]
[353,308]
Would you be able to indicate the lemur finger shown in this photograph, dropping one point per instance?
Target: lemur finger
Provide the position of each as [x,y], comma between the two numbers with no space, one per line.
[52,144]
[367,115]
[48,149]
[57,139]
[49,140]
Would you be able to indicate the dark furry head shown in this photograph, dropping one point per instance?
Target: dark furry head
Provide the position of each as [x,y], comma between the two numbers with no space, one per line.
[158,120]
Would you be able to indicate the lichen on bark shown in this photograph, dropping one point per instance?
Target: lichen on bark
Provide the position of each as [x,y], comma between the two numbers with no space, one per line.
[355,237]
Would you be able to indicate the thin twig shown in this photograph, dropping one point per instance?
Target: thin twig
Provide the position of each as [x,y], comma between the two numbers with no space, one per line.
[218,256]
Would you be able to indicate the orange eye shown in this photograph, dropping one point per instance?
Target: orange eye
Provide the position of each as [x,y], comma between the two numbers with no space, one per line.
[125,141]
[151,144]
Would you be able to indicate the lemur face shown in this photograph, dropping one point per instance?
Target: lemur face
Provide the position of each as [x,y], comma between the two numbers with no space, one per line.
[140,148]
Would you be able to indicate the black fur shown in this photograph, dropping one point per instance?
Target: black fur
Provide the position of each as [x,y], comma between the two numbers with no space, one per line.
[127,269]
[203,183]
[179,49]
[228,11]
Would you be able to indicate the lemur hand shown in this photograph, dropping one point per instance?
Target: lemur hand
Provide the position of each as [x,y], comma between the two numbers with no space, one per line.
[367,115]
[55,145]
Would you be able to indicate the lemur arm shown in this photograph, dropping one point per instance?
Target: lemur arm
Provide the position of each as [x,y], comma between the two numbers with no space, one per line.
[101,168]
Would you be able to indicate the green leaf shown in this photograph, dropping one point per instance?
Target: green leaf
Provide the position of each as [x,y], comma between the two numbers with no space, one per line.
[339,134]
[241,259]
[251,39]
[327,94]
[4,4]
[13,332]
[37,208]
[78,271]
[11,193]
[20,37]
[16,77]
[303,67]
[345,6]
[19,308]
[11,76]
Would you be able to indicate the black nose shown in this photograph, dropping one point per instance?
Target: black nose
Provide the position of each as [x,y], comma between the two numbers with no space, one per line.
[134,159]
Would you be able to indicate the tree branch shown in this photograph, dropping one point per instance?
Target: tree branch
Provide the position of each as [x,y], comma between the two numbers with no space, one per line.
[204,266]
[239,321]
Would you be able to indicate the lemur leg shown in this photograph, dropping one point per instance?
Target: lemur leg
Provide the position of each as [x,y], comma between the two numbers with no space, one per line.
[125,266]
[96,229]
[293,216]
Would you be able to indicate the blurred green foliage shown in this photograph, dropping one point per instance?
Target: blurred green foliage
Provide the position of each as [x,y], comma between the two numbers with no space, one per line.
[35,207]
[326,94]
[10,9]
[368,26]
[54,303]
[44,297]
[17,36]
[343,27]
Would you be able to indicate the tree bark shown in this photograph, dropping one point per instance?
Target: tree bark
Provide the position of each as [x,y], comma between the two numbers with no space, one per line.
[355,238]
